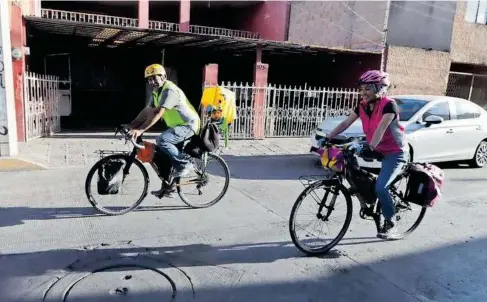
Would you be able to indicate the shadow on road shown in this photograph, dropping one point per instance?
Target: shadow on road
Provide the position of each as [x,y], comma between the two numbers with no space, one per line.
[17,215]
[289,167]
[270,167]
[447,273]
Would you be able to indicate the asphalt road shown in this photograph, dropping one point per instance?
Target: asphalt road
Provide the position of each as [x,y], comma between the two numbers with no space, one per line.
[55,246]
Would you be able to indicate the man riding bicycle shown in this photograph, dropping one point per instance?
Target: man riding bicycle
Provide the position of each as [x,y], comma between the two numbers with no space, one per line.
[380,122]
[170,104]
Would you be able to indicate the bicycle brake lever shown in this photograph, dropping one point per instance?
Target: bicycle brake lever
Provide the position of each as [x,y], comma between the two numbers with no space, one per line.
[118,130]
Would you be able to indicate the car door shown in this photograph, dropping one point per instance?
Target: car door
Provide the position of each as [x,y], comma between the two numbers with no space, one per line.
[467,129]
[433,142]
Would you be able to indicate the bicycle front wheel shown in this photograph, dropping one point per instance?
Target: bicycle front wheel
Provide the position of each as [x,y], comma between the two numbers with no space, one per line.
[322,204]
[202,189]
[136,180]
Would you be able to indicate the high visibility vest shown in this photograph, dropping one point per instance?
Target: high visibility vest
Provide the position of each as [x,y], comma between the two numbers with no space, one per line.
[172,116]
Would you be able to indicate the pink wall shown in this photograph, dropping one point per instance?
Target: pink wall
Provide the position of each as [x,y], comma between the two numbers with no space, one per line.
[270,19]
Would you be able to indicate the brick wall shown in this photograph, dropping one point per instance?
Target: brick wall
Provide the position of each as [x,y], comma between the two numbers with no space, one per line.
[418,71]
[331,23]
[469,41]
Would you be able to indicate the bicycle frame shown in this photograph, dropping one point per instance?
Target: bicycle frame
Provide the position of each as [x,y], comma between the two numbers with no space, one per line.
[370,208]
[133,154]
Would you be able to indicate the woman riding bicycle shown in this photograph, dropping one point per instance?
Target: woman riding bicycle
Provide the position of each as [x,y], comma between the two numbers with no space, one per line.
[380,122]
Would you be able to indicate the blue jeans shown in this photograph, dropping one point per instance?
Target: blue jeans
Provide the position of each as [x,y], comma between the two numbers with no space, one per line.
[391,167]
[167,142]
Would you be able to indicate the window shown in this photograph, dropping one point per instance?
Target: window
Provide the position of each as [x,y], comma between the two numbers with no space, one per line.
[441,109]
[466,110]
[476,11]
[409,107]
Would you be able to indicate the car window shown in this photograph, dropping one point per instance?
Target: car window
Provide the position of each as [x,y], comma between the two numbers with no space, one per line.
[441,109]
[409,107]
[466,110]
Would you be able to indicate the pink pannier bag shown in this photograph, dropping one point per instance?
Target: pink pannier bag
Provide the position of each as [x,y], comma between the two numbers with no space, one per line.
[425,184]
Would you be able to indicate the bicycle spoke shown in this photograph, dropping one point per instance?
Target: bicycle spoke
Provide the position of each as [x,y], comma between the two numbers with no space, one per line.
[209,186]
[316,237]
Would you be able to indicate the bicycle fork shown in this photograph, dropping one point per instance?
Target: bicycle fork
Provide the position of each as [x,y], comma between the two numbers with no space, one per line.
[330,207]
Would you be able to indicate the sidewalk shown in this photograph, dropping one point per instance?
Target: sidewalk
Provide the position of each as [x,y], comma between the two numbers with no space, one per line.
[78,149]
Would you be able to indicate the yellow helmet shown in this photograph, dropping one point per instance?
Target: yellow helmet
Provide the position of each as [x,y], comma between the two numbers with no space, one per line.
[154,69]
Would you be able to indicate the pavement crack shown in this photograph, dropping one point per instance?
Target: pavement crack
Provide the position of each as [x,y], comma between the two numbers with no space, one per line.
[187,276]
[239,278]
[53,283]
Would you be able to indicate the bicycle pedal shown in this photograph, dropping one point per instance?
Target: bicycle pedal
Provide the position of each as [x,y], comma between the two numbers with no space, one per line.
[160,195]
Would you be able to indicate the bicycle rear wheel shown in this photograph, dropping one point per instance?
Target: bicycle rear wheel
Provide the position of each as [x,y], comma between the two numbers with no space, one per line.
[405,209]
[201,182]
[143,178]
[323,209]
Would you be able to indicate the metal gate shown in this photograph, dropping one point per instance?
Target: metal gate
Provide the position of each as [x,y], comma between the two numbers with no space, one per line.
[296,112]
[289,111]
[41,103]
[472,87]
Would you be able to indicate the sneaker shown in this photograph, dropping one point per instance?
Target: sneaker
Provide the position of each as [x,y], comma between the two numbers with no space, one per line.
[389,231]
[185,171]
[165,191]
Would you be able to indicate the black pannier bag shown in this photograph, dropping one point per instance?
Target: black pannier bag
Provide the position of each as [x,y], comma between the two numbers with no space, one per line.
[110,177]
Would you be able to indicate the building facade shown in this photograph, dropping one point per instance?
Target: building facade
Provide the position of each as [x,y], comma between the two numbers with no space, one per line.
[318,44]
[432,47]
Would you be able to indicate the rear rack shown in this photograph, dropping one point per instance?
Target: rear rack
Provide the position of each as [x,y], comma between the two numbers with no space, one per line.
[102,153]
[308,180]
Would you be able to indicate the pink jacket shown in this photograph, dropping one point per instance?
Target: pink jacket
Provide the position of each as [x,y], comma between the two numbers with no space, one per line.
[394,140]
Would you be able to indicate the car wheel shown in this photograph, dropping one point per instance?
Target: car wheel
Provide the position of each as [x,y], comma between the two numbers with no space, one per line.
[479,159]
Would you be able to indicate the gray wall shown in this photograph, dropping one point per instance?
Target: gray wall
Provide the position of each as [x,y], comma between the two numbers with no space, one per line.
[332,23]
[421,24]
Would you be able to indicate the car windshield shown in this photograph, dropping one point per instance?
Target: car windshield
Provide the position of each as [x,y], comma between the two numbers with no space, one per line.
[408,107]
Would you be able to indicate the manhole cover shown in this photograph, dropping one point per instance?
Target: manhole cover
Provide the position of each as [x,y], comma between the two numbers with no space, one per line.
[122,284]
[123,279]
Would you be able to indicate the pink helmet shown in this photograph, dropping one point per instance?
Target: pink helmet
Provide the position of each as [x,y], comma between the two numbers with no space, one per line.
[375,77]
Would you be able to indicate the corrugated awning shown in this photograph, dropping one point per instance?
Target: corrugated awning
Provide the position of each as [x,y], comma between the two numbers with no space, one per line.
[113,36]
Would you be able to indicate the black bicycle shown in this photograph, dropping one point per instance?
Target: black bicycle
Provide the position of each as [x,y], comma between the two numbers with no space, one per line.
[362,185]
[114,169]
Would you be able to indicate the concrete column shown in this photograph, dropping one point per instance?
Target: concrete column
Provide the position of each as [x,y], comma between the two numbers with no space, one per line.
[210,75]
[37,8]
[260,94]
[144,13]
[18,40]
[383,61]
[8,129]
[184,15]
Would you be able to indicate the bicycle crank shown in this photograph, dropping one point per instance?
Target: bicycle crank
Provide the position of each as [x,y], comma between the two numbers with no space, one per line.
[366,213]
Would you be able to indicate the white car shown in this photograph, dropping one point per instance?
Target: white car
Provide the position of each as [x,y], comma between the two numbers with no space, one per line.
[438,129]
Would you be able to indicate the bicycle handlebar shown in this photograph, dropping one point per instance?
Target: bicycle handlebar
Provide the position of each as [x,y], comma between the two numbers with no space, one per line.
[131,139]
[355,147]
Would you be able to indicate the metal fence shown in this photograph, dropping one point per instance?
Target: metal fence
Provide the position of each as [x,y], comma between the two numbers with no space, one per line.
[296,112]
[288,111]
[472,87]
[54,14]
[222,32]
[41,103]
